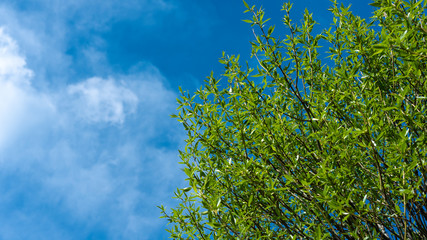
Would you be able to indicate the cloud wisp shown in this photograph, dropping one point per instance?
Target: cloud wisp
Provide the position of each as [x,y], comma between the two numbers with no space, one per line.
[100,100]
[66,36]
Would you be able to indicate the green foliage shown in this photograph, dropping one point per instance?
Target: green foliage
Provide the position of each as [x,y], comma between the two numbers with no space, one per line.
[305,149]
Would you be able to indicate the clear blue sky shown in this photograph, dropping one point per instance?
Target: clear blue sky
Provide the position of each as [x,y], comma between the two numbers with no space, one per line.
[87,148]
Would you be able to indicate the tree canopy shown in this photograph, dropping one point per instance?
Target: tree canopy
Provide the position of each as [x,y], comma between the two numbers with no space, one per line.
[324,139]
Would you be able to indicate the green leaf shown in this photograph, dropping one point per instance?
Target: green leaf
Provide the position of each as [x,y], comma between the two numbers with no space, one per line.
[250,199]
[246,5]
[375,4]
[270,30]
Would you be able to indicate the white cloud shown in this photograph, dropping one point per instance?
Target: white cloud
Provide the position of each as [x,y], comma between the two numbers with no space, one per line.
[12,65]
[71,168]
[20,106]
[102,100]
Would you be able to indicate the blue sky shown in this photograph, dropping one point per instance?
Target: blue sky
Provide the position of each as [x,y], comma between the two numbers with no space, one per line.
[87,148]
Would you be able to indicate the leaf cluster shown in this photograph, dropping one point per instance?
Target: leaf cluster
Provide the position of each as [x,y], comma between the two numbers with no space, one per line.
[312,144]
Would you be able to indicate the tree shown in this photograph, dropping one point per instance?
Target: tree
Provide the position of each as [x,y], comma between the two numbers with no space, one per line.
[313,144]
